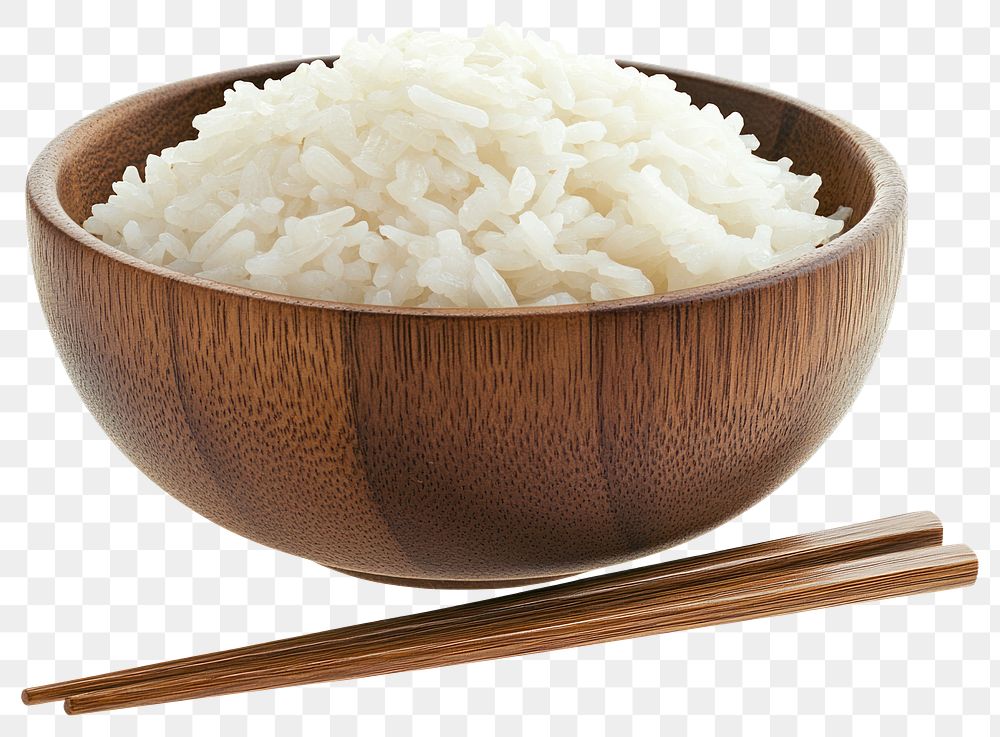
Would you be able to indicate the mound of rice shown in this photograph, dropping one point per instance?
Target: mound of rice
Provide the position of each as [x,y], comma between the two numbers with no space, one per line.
[436,171]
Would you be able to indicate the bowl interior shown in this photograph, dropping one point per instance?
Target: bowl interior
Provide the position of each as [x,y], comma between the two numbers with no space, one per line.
[148,123]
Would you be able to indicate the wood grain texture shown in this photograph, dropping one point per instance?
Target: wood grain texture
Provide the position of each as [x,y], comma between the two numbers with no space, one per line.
[604,609]
[891,534]
[464,446]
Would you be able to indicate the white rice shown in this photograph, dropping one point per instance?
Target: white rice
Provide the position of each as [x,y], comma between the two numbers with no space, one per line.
[436,171]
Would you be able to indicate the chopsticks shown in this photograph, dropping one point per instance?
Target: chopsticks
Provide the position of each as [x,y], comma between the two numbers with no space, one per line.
[845,543]
[872,560]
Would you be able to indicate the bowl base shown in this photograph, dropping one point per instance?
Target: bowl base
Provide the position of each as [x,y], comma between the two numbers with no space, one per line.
[434,583]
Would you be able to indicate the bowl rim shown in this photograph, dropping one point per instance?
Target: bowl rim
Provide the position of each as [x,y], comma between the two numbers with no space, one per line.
[887,209]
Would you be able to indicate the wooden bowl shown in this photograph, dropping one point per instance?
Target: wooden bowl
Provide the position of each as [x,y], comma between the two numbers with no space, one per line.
[466,447]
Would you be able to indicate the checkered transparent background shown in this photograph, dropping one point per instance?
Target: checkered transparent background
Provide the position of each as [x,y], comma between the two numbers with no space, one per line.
[99,569]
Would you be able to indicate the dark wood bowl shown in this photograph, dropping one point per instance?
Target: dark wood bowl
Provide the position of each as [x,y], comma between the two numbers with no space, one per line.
[466,447]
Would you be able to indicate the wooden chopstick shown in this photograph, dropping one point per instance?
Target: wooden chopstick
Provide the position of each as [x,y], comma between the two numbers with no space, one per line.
[583,621]
[890,534]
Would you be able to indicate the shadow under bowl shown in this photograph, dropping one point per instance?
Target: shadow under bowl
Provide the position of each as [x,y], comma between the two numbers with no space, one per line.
[466,447]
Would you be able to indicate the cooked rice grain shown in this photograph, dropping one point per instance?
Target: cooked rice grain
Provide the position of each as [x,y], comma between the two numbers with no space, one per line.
[434,171]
